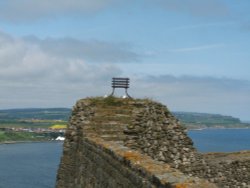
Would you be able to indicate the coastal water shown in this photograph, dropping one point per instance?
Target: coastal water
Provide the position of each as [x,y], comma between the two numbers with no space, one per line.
[221,140]
[34,165]
[29,165]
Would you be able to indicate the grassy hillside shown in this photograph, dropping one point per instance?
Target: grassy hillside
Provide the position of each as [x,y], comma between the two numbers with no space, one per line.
[36,113]
[204,120]
[11,136]
[36,117]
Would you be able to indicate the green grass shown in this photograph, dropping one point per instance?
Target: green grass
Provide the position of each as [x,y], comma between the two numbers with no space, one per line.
[26,136]
[108,101]
[16,136]
[42,118]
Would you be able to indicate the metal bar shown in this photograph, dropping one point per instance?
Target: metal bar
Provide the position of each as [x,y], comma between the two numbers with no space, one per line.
[120,84]
[120,81]
[120,78]
[123,81]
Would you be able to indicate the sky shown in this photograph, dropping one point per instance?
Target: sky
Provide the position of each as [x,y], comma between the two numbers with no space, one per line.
[191,55]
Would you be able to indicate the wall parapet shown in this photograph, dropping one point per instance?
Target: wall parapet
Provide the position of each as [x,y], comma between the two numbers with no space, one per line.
[123,168]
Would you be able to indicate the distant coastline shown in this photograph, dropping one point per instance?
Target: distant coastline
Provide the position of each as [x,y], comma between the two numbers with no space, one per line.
[214,128]
[194,120]
[39,125]
[29,141]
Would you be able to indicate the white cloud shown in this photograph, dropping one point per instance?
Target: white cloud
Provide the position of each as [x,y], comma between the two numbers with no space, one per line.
[25,58]
[39,73]
[91,50]
[195,7]
[197,94]
[29,72]
[205,26]
[197,48]
[28,10]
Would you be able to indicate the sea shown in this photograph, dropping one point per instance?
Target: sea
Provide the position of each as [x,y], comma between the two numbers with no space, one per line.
[220,140]
[34,165]
[29,165]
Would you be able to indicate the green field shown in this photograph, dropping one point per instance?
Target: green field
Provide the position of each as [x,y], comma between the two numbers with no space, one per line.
[32,118]
[25,136]
[40,118]
[204,120]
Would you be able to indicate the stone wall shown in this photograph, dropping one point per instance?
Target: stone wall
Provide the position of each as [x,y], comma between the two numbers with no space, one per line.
[105,164]
[115,142]
[157,133]
[229,169]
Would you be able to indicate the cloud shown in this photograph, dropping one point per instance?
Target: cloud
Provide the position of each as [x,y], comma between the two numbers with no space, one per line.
[54,73]
[34,73]
[205,26]
[193,86]
[197,94]
[56,58]
[197,48]
[29,10]
[195,7]
[91,50]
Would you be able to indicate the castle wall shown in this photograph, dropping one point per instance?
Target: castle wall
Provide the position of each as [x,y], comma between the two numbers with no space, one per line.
[134,143]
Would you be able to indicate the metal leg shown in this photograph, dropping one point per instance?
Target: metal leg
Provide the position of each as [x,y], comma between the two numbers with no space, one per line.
[126,91]
[112,93]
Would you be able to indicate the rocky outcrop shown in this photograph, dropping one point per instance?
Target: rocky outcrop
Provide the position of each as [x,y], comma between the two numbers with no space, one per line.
[115,142]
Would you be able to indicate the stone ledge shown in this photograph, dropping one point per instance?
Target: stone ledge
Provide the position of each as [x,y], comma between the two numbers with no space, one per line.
[158,173]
